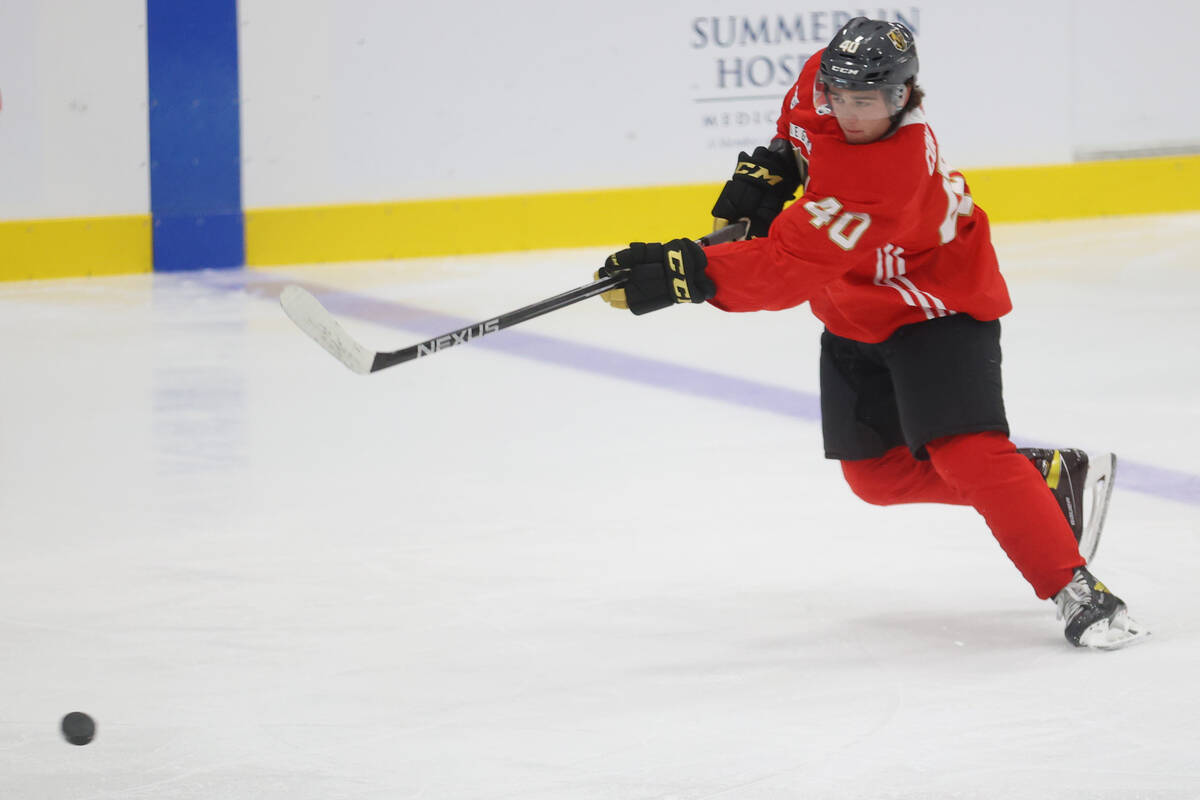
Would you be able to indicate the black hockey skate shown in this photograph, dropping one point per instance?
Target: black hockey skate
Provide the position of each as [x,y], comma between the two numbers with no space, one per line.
[1095,617]
[1082,486]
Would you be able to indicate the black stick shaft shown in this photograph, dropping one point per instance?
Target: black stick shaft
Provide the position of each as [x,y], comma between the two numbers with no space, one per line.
[463,335]
[474,331]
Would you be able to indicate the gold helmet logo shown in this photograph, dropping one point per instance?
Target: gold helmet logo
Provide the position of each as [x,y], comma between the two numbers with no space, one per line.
[899,40]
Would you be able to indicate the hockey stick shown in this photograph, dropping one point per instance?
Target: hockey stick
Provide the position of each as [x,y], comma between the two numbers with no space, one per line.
[315,320]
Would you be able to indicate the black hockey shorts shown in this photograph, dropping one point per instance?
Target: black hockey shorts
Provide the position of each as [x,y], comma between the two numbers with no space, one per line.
[927,380]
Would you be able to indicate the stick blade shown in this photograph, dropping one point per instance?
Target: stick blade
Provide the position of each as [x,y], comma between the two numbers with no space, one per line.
[315,320]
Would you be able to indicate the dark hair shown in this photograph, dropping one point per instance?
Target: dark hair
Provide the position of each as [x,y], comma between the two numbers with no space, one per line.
[915,97]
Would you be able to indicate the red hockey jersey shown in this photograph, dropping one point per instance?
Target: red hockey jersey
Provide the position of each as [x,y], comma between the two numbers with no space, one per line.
[885,234]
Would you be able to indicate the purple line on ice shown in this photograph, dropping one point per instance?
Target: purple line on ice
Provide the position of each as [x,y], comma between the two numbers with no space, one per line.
[1144,478]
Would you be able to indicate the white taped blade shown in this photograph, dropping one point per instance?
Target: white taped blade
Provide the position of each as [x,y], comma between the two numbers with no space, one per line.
[313,318]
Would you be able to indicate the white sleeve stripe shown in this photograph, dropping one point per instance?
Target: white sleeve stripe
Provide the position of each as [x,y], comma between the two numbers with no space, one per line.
[889,271]
[925,298]
[885,279]
[919,292]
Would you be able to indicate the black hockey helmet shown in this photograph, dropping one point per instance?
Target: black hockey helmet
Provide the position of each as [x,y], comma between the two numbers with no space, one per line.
[867,54]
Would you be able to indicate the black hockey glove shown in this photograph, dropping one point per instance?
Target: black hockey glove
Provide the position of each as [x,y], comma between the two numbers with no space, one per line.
[760,186]
[661,275]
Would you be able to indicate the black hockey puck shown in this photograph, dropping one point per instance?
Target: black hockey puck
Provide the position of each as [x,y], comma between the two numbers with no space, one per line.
[78,728]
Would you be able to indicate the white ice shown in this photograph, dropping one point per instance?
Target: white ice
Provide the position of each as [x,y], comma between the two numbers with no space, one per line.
[593,557]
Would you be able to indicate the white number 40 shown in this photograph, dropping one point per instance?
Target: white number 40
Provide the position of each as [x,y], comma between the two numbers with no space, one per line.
[848,226]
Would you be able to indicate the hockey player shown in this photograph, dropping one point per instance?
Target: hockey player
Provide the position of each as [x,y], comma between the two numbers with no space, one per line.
[890,252]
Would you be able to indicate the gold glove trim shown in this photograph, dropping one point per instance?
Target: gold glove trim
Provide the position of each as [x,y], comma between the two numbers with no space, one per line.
[614,297]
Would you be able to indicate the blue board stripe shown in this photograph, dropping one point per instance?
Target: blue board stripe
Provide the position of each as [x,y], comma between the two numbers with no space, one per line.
[195,134]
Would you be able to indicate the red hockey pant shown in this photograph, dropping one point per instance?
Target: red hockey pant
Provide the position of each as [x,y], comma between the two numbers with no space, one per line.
[983,470]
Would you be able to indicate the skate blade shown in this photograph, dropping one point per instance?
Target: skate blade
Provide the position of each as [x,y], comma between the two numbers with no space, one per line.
[1121,631]
[1097,491]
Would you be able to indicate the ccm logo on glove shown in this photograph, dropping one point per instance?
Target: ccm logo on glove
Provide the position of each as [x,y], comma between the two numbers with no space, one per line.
[659,275]
[753,170]
[675,259]
[760,186]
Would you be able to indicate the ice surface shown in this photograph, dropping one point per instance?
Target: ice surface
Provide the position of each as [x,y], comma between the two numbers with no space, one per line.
[594,556]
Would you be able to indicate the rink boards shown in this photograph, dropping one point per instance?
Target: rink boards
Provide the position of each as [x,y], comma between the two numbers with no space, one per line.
[418,228]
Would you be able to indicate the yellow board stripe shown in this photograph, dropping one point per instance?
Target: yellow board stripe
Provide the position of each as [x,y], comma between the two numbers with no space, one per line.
[597,218]
[476,224]
[63,248]
[1088,189]
[612,217]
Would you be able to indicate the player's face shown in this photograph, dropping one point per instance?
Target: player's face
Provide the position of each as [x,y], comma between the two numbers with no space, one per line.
[864,116]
